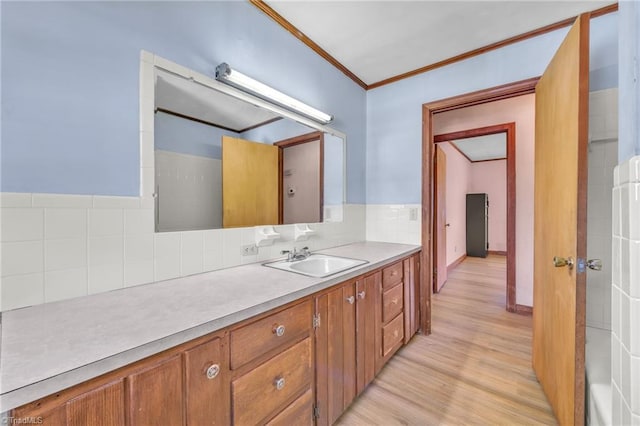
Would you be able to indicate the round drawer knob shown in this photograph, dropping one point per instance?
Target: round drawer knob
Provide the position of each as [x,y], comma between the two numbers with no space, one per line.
[213,371]
[279,383]
[395,301]
[279,330]
[361,294]
[351,299]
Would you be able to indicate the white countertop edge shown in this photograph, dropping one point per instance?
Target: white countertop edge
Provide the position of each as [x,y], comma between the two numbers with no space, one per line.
[18,397]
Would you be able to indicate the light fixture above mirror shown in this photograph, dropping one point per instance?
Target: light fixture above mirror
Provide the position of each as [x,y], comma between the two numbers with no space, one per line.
[227,75]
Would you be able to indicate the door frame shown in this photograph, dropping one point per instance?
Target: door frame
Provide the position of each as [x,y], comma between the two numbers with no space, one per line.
[510,130]
[298,140]
[505,91]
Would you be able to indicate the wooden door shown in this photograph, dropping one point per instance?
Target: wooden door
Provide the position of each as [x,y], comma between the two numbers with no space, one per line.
[440,213]
[250,183]
[560,225]
[368,329]
[206,384]
[335,352]
[155,395]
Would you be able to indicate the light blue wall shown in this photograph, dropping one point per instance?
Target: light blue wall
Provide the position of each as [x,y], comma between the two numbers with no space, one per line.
[70,85]
[184,136]
[629,90]
[394,112]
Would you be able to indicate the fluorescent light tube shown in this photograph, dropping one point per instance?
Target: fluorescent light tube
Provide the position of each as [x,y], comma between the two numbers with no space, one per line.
[226,74]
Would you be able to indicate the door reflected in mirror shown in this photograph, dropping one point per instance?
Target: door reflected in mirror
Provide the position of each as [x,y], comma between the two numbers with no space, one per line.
[221,162]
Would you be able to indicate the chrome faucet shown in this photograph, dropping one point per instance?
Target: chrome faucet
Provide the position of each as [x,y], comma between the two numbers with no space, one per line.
[293,255]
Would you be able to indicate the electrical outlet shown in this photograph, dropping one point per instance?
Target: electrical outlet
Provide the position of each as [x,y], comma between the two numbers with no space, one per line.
[250,250]
[413,214]
[455,249]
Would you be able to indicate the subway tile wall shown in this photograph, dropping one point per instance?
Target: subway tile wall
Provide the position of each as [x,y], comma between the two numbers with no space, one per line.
[394,223]
[625,300]
[56,247]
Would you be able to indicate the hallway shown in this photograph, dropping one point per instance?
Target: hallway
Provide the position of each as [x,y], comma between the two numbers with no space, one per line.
[474,369]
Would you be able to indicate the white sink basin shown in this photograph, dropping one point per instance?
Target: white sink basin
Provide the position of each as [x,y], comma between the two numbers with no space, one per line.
[317,265]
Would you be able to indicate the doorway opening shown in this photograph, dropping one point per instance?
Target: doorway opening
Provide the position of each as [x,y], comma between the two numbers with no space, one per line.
[301,179]
[490,146]
[507,91]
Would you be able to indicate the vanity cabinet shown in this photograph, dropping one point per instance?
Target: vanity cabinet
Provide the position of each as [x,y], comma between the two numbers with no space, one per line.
[347,344]
[272,363]
[182,385]
[207,384]
[411,266]
[302,363]
[367,329]
[335,351]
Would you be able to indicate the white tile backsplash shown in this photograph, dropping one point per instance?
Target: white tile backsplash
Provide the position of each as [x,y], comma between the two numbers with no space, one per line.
[106,250]
[22,257]
[105,277]
[394,223]
[69,253]
[114,243]
[138,248]
[22,290]
[138,221]
[136,273]
[15,199]
[106,222]
[65,223]
[65,284]
[62,201]
[22,224]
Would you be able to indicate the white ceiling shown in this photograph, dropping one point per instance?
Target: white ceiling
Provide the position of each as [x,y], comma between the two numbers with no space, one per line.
[377,40]
[186,97]
[483,148]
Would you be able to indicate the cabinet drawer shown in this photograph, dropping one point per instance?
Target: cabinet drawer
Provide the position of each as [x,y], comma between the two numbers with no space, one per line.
[266,389]
[262,336]
[299,412]
[392,334]
[391,275]
[392,302]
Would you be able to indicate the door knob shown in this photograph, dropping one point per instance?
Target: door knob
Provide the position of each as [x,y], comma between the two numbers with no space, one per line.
[559,262]
[595,264]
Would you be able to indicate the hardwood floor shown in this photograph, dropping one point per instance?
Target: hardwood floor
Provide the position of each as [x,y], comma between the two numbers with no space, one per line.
[475,368]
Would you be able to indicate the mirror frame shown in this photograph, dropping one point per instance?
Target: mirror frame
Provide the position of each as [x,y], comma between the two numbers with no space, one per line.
[149,62]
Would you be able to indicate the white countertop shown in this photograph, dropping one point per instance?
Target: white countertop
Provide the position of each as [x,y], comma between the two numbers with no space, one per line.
[50,347]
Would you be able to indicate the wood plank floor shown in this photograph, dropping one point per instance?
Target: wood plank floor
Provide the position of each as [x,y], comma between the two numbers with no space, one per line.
[475,368]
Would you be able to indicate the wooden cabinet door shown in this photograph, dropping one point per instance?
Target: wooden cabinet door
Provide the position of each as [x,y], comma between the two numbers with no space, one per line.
[411,296]
[335,352]
[155,395]
[100,407]
[368,325]
[206,384]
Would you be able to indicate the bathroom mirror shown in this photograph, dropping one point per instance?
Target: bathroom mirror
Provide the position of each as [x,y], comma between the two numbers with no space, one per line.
[222,162]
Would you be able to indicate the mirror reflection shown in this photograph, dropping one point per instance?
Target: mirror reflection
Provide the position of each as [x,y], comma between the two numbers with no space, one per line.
[221,162]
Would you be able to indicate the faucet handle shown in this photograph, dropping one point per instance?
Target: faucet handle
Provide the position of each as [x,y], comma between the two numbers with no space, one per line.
[285,252]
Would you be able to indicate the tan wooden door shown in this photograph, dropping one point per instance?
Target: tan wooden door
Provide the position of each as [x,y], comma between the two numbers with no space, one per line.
[562,96]
[250,183]
[440,210]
